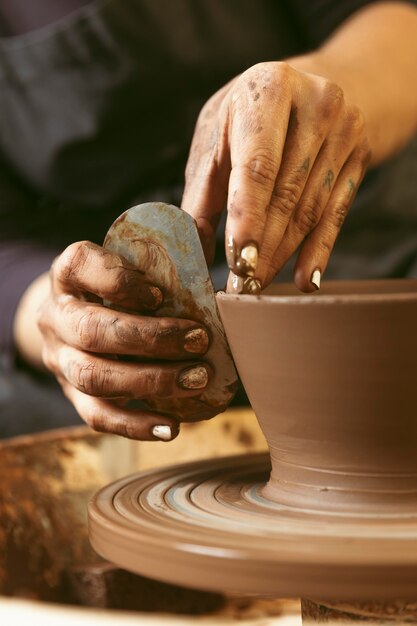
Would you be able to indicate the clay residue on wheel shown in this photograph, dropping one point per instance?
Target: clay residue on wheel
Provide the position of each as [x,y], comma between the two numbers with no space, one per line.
[210,522]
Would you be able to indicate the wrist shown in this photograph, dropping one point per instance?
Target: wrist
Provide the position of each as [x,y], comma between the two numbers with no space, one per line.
[28,339]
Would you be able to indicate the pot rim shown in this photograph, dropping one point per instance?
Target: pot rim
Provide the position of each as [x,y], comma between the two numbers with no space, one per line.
[392,291]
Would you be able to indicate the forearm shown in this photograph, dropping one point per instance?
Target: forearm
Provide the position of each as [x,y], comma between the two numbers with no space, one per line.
[28,339]
[372,56]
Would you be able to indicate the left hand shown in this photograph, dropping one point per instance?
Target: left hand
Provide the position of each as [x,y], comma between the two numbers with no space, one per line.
[287,151]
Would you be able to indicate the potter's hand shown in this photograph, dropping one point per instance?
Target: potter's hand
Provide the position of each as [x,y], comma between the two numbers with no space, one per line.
[288,151]
[91,348]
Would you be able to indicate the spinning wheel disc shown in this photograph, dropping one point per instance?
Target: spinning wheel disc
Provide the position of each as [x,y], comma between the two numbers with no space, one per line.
[207,525]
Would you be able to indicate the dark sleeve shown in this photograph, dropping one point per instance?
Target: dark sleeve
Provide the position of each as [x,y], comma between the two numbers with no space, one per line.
[317,19]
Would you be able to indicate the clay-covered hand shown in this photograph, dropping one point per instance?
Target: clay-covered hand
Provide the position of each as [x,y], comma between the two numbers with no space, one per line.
[104,357]
[288,151]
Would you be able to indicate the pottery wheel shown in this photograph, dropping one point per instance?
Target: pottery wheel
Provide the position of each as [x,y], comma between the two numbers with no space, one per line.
[207,525]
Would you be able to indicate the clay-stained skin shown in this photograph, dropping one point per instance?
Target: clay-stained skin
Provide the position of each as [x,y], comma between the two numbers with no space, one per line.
[162,241]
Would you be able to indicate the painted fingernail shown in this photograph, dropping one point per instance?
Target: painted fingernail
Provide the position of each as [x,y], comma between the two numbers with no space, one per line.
[193,378]
[163,432]
[316,278]
[239,285]
[247,261]
[196,341]
[252,286]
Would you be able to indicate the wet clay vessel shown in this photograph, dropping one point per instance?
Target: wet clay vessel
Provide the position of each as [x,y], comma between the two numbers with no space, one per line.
[332,378]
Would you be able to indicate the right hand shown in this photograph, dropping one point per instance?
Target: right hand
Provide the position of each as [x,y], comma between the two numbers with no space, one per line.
[91,348]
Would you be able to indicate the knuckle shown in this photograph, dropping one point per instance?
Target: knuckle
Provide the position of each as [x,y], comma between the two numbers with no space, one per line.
[87,330]
[325,245]
[124,427]
[129,429]
[121,426]
[72,258]
[164,331]
[285,198]
[268,71]
[332,98]
[308,216]
[355,119]
[90,378]
[267,78]
[262,169]
[250,75]
[338,214]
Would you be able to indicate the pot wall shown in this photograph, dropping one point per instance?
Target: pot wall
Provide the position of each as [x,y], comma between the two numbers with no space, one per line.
[332,379]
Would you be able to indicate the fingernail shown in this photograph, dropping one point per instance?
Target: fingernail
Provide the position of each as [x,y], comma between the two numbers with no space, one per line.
[239,285]
[247,261]
[157,294]
[193,378]
[196,341]
[315,278]
[252,286]
[163,432]
[151,296]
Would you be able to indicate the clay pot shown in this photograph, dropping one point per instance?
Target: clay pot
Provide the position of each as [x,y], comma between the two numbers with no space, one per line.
[332,378]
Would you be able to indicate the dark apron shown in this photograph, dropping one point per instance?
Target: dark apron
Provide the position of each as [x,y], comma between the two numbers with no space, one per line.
[97,113]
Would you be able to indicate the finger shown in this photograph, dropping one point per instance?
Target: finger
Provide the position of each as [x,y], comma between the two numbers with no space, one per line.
[238,284]
[94,328]
[317,144]
[104,416]
[85,267]
[315,252]
[207,171]
[298,169]
[107,378]
[311,205]
[260,114]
